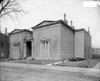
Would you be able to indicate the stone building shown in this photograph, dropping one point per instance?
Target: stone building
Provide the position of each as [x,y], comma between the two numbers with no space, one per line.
[96,53]
[52,40]
[4,45]
[57,40]
[20,43]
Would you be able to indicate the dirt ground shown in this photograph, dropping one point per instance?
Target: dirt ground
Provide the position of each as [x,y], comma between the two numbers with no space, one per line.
[8,73]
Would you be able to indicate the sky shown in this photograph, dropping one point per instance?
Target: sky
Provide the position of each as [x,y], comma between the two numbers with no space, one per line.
[39,10]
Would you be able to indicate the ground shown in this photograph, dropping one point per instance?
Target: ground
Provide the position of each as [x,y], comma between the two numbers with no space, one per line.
[9,73]
[84,63]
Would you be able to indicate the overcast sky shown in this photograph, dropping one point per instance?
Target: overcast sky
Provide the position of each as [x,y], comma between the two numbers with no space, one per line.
[39,10]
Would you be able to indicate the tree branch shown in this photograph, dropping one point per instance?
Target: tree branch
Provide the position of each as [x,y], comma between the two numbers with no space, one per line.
[9,6]
[14,11]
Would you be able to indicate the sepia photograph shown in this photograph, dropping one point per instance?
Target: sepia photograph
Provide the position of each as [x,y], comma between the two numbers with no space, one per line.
[49,40]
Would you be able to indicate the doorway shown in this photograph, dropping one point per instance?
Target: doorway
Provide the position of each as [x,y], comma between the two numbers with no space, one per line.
[28,49]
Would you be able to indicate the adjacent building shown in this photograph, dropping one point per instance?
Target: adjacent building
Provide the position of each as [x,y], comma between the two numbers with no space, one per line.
[96,53]
[82,44]
[4,46]
[20,43]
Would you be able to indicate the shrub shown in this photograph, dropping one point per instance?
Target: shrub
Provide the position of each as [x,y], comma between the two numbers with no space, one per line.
[76,59]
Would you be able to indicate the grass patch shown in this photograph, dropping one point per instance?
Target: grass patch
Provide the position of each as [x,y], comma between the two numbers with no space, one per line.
[38,62]
[82,63]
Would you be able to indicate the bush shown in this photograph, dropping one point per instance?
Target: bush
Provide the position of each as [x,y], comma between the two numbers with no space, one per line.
[76,59]
[79,59]
[71,59]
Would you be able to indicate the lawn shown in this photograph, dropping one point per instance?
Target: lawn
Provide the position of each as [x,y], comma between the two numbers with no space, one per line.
[84,63]
[38,62]
[25,74]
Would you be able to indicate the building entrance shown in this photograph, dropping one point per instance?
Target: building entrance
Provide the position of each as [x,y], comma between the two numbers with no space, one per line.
[28,49]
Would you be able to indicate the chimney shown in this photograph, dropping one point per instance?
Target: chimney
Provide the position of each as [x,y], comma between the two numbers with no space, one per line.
[6,31]
[71,23]
[0,29]
[88,30]
[65,18]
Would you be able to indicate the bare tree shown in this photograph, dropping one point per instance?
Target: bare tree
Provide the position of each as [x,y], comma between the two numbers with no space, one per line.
[7,7]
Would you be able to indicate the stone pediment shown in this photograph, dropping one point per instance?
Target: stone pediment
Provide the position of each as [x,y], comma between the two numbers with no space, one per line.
[48,23]
[19,30]
[45,39]
[29,38]
[44,23]
[16,43]
[15,31]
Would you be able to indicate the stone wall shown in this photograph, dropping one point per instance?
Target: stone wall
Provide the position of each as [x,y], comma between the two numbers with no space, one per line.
[82,44]
[52,33]
[67,42]
[87,45]
[79,44]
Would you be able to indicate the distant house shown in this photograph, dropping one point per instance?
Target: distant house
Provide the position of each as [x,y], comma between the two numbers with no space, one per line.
[57,40]
[20,43]
[4,45]
[96,53]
